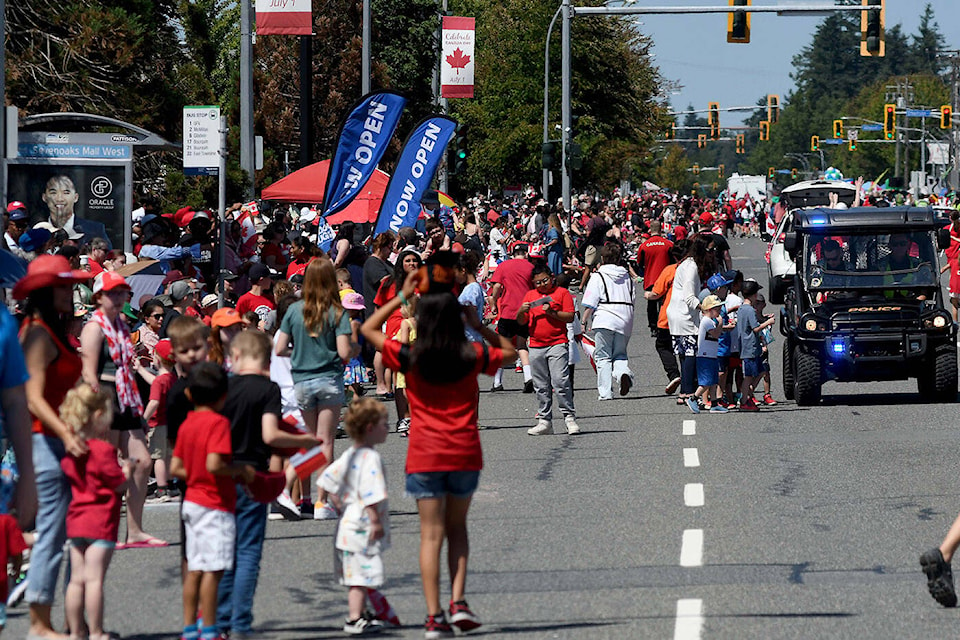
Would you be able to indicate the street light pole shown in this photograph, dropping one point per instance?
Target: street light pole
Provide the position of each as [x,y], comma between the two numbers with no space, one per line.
[567,11]
[365,36]
[247,159]
[546,99]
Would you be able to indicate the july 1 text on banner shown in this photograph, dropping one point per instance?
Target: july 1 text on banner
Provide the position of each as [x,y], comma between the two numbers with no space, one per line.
[457,59]
[284,17]
[419,159]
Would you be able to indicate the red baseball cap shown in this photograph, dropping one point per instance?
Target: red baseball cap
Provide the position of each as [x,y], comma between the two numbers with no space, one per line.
[108,281]
[706,218]
[16,204]
[164,349]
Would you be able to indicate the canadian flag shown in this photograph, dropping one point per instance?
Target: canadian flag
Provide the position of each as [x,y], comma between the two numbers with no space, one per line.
[306,462]
[248,230]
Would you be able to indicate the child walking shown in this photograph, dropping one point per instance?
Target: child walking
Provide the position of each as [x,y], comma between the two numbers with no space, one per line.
[155,414]
[354,373]
[750,348]
[93,518]
[708,368]
[357,482]
[202,458]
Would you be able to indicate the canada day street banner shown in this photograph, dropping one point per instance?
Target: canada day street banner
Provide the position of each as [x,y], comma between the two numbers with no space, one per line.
[363,139]
[284,17]
[418,161]
[457,57]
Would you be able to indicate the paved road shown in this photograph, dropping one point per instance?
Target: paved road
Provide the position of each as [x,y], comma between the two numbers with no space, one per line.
[811,523]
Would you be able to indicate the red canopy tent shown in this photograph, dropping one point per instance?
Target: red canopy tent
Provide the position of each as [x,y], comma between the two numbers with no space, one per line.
[306,186]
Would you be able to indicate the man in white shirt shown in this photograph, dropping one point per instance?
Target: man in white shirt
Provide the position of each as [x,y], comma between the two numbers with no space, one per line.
[608,300]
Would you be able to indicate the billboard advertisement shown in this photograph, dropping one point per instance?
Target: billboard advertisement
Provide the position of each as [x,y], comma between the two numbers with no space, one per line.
[91,198]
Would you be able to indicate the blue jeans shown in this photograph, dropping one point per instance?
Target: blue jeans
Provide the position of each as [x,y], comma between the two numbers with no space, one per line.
[235,595]
[555,262]
[53,496]
[611,358]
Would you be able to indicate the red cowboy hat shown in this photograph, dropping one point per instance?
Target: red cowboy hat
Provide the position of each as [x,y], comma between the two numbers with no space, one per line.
[48,271]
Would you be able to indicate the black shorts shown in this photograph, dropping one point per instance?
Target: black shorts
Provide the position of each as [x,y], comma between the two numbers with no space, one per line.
[122,420]
[511,328]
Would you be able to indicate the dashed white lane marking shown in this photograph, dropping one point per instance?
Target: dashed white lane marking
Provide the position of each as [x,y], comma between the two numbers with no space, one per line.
[691,458]
[689,427]
[691,551]
[693,494]
[689,619]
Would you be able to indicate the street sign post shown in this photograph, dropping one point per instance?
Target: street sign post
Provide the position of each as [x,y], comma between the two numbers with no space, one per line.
[201,140]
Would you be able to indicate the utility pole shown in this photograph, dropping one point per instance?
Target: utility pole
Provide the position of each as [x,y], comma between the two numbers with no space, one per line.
[567,11]
[247,155]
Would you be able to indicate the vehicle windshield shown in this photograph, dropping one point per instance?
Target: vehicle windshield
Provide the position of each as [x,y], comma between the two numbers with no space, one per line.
[904,263]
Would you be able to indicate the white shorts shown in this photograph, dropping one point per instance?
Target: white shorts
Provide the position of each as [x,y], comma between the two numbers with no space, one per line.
[357,569]
[211,535]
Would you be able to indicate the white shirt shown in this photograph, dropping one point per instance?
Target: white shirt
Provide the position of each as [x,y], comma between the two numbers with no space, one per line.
[357,477]
[611,293]
[682,314]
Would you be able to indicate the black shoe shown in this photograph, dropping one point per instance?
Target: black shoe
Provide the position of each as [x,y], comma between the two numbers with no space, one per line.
[528,386]
[496,387]
[939,577]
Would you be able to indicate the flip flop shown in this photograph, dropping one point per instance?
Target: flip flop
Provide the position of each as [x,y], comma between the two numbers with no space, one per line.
[149,543]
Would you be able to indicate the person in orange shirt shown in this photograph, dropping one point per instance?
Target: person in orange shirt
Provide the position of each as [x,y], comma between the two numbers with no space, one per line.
[663,288]
[546,310]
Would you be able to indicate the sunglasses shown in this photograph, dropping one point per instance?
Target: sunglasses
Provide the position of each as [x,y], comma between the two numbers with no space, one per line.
[157,316]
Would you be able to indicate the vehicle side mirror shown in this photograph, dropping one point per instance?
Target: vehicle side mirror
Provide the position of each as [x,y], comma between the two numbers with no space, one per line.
[790,241]
[943,239]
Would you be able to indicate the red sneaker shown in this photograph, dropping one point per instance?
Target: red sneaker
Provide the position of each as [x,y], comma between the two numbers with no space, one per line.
[462,617]
[768,400]
[749,405]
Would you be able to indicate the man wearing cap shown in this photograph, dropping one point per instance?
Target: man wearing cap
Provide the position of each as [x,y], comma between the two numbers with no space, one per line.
[17,222]
[182,296]
[259,298]
[229,295]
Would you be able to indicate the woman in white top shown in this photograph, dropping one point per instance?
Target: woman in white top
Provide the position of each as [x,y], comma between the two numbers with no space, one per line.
[683,312]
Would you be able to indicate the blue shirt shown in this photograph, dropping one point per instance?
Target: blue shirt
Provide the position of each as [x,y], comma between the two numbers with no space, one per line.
[749,340]
[13,369]
[472,295]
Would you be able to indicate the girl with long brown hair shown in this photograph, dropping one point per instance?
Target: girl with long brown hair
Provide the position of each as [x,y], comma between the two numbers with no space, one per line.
[316,334]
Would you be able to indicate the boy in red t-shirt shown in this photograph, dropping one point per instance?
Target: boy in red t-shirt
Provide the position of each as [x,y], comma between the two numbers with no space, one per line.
[546,311]
[202,458]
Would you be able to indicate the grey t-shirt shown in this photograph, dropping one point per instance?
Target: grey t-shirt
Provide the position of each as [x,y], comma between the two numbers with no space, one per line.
[746,323]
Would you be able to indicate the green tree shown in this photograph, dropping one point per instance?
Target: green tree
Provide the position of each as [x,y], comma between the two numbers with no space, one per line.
[672,171]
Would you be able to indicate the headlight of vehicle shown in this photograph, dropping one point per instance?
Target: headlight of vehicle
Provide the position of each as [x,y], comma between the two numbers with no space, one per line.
[810,324]
[939,322]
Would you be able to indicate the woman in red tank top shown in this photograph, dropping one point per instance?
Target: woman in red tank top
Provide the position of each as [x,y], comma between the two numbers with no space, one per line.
[54,368]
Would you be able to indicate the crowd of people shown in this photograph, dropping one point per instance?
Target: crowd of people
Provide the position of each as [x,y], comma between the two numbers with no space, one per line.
[225,386]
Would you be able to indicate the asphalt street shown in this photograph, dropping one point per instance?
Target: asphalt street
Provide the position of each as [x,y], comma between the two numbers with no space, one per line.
[652,523]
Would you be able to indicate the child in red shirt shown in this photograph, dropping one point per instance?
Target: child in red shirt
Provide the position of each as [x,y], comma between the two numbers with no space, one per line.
[202,458]
[93,518]
[546,310]
[155,414]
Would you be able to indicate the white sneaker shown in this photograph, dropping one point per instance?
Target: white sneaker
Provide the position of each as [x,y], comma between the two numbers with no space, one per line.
[323,511]
[572,427]
[543,427]
[288,508]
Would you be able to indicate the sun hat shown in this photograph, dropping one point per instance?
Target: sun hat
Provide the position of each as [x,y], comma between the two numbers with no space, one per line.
[710,302]
[353,301]
[108,281]
[164,350]
[48,271]
[226,317]
[209,299]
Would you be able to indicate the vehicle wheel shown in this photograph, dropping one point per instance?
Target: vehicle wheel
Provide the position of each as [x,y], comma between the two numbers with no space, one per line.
[945,374]
[808,381]
[778,287]
[789,373]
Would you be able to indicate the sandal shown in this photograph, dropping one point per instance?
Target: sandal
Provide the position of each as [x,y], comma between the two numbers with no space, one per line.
[682,400]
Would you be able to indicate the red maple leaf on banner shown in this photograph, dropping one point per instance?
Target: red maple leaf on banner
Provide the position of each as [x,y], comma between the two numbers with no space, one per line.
[458,60]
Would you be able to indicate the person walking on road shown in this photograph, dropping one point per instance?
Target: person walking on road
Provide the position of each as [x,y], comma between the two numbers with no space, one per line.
[683,312]
[608,302]
[653,256]
[444,457]
[510,282]
[546,311]
[663,290]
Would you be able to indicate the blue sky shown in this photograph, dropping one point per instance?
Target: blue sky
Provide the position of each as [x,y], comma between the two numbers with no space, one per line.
[693,50]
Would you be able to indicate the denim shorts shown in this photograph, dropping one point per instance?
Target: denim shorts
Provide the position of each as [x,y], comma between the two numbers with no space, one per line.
[322,391]
[437,484]
[83,543]
[707,371]
[752,367]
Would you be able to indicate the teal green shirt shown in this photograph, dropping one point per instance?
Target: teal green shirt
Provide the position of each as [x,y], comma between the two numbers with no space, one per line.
[314,356]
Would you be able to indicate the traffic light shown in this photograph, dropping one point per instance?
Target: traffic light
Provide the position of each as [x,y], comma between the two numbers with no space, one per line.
[764,130]
[738,24]
[740,141]
[771,173]
[794,173]
[853,144]
[714,119]
[701,140]
[548,155]
[889,121]
[696,169]
[946,117]
[838,129]
[460,164]
[671,132]
[720,172]
[814,143]
[773,108]
[871,28]
[574,156]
